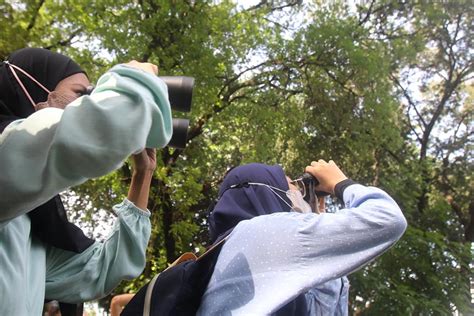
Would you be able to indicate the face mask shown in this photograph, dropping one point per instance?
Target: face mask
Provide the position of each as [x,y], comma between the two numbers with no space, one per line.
[299,204]
[55,100]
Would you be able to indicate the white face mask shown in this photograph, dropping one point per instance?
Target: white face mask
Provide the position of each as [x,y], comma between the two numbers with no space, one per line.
[299,204]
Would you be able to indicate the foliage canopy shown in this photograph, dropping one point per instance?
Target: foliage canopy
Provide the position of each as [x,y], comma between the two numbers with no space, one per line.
[384,89]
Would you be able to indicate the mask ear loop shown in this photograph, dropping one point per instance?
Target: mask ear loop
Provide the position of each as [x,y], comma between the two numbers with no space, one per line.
[272,189]
[312,198]
[12,68]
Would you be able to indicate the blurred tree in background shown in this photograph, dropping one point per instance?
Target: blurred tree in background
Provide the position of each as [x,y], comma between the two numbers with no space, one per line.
[385,89]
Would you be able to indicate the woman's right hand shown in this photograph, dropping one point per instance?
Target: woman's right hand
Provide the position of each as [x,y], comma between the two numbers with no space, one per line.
[327,173]
[148,67]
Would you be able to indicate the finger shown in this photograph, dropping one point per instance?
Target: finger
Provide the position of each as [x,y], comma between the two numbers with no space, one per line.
[152,68]
[313,163]
[312,170]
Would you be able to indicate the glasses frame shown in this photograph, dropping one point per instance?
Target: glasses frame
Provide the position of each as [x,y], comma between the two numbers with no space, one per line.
[299,183]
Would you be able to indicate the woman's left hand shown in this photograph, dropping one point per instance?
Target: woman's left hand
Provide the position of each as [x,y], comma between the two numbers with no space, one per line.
[144,161]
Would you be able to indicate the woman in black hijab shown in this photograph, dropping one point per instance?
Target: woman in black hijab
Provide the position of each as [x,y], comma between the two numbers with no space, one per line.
[47,145]
[48,221]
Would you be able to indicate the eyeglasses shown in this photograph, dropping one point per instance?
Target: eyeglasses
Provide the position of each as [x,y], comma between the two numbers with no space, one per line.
[306,185]
[300,185]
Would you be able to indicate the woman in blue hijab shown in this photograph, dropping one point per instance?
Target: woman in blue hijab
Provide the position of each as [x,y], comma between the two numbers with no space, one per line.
[281,260]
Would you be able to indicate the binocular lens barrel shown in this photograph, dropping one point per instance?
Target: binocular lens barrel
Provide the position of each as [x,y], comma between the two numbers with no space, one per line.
[180,95]
[311,182]
[180,92]
[180,133]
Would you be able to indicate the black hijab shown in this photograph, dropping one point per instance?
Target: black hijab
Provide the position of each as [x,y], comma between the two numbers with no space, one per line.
[48,221]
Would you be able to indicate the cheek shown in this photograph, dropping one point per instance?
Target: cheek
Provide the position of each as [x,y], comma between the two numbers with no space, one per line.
[67,92]
[292,186]
[60,100]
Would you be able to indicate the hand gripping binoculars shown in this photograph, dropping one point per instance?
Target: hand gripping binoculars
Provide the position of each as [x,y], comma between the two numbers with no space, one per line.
[307,184]
[180,94]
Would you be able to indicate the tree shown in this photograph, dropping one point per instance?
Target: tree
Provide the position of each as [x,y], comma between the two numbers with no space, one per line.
[384,89]
[432,70]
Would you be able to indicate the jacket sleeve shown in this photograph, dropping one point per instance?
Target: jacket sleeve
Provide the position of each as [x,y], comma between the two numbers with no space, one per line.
[75,278]
[54,149]
[370,223]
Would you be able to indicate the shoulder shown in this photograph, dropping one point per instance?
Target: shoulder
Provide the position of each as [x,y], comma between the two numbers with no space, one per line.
[276,233]
[265,224]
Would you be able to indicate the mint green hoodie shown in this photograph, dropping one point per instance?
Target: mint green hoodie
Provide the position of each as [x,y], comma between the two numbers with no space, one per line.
[55,149]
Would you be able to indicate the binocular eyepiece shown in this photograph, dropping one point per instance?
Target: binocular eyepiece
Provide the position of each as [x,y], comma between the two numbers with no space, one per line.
[180,94]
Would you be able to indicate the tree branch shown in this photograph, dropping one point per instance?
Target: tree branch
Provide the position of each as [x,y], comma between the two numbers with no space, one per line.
[35,15]
[65,42]
[265,3]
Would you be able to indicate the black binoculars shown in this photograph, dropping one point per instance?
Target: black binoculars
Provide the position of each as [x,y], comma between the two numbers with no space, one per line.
[180,94]
[310,183]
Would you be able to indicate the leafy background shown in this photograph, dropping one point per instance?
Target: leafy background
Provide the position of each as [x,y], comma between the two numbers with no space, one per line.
[383,88]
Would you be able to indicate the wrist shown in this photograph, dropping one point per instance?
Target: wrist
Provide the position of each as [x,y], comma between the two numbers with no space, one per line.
[341,186]
[139,190]
[336,182]
[143,173]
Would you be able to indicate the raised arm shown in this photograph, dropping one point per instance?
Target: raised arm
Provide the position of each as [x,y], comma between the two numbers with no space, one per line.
[76,277]
[54,149]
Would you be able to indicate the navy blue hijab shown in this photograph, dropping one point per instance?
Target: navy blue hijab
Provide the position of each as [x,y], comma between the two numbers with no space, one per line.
[48,221]
[247,201]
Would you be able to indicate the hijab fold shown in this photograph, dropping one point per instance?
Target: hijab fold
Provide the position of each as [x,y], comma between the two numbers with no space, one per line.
[48,221]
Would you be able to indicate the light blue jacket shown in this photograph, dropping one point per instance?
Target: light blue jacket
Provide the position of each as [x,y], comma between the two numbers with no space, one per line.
[272,259]
[55,149]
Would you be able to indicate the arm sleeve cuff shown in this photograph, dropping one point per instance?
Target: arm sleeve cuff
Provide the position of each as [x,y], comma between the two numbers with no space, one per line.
[341,186]
[129,207]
